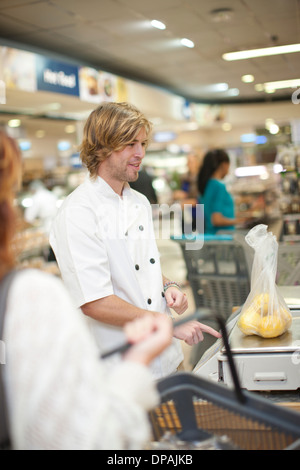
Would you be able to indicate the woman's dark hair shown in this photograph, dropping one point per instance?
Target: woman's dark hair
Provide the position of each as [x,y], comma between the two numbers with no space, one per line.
[211,162]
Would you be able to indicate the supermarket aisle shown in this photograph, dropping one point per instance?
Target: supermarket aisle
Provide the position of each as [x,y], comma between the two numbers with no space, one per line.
[173,267]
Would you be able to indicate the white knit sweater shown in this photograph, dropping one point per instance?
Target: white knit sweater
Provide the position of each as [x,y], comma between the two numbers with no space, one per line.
[60,394]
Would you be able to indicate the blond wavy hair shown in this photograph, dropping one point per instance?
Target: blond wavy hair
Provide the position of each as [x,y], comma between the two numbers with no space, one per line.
[109,128]
[10,178]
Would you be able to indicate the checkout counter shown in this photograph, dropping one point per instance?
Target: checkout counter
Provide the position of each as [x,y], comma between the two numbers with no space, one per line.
[270,367]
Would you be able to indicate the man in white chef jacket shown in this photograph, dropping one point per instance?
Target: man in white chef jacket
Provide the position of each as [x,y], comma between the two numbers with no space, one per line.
[104,241]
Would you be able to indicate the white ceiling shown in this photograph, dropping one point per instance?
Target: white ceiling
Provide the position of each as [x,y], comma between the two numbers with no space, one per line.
[116,36]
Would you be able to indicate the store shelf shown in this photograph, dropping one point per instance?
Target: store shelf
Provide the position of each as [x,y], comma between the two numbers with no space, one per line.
[31,247]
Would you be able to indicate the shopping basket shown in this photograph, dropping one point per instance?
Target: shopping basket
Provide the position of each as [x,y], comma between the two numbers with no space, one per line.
[196,410]
[218,272]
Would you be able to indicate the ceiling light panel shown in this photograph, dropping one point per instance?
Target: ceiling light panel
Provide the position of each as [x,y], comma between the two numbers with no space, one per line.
[187,42]
[266,51]
[158,24]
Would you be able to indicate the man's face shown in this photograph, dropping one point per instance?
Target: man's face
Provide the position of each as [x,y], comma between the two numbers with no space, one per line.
[124,165]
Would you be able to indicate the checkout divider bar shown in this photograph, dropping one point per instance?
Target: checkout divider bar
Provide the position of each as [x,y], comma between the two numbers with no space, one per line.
[199,315]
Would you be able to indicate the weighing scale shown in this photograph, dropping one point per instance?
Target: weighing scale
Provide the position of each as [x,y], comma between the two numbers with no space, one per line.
[262,364]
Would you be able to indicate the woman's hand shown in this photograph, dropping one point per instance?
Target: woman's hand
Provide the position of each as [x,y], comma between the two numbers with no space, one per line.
[149,335]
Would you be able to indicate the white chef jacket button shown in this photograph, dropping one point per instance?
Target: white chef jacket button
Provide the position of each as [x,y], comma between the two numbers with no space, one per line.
[137,267]
[149,301]
[141,228]
[152,260]
[126,233]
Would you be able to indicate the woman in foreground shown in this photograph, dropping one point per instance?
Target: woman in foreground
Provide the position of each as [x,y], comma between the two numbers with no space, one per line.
[59,394]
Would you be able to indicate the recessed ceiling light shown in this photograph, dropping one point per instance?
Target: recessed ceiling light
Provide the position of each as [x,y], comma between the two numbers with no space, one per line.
[263,52]
[40,134]
[248,78]
[158,24]
[70,129]
[14,123]
[274,129]
[187,42]
[226,126]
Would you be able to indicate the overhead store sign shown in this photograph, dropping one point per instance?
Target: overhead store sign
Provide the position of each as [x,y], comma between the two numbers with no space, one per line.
[18,69]
[96,86]
[56,76]
[31,72]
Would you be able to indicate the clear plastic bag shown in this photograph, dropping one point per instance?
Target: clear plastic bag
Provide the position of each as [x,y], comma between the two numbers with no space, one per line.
[264,312]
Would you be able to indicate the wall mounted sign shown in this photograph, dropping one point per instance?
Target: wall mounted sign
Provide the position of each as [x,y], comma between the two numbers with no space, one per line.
[56,77]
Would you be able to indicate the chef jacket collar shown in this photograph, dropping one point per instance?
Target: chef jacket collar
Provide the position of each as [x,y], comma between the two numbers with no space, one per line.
[104,189]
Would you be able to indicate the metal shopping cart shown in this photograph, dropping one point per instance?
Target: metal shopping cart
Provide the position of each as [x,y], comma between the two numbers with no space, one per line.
[202,414]
[218,270]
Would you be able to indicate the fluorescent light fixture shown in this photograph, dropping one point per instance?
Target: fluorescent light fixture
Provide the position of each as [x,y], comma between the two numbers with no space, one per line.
[247,138]
[25,145]
[248,78]
[158,24]
[220,86]
[266,51]
[253,138]
[261,139]
[26,202]
[14,123]
[250,171]
[63,145]
[294,83]
[164,136]
[187,42]
[226,126]
[274,129]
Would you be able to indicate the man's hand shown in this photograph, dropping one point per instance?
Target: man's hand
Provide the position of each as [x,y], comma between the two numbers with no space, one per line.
[192,332]
[176,299]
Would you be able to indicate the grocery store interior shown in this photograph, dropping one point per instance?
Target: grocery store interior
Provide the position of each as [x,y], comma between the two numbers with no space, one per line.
[175,61]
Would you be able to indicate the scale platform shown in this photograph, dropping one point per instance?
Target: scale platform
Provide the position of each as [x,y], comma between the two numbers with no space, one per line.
[265,364]
[262,364]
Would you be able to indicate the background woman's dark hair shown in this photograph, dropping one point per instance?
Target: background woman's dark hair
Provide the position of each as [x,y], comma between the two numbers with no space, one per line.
[211,162]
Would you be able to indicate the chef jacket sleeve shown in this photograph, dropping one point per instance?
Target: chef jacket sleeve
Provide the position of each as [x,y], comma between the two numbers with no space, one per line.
[81,254]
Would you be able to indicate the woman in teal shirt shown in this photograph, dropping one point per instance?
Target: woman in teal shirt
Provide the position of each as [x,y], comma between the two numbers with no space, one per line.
[218,203]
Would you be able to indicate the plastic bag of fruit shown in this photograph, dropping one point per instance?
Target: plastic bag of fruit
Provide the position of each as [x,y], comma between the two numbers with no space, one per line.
[264,312]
